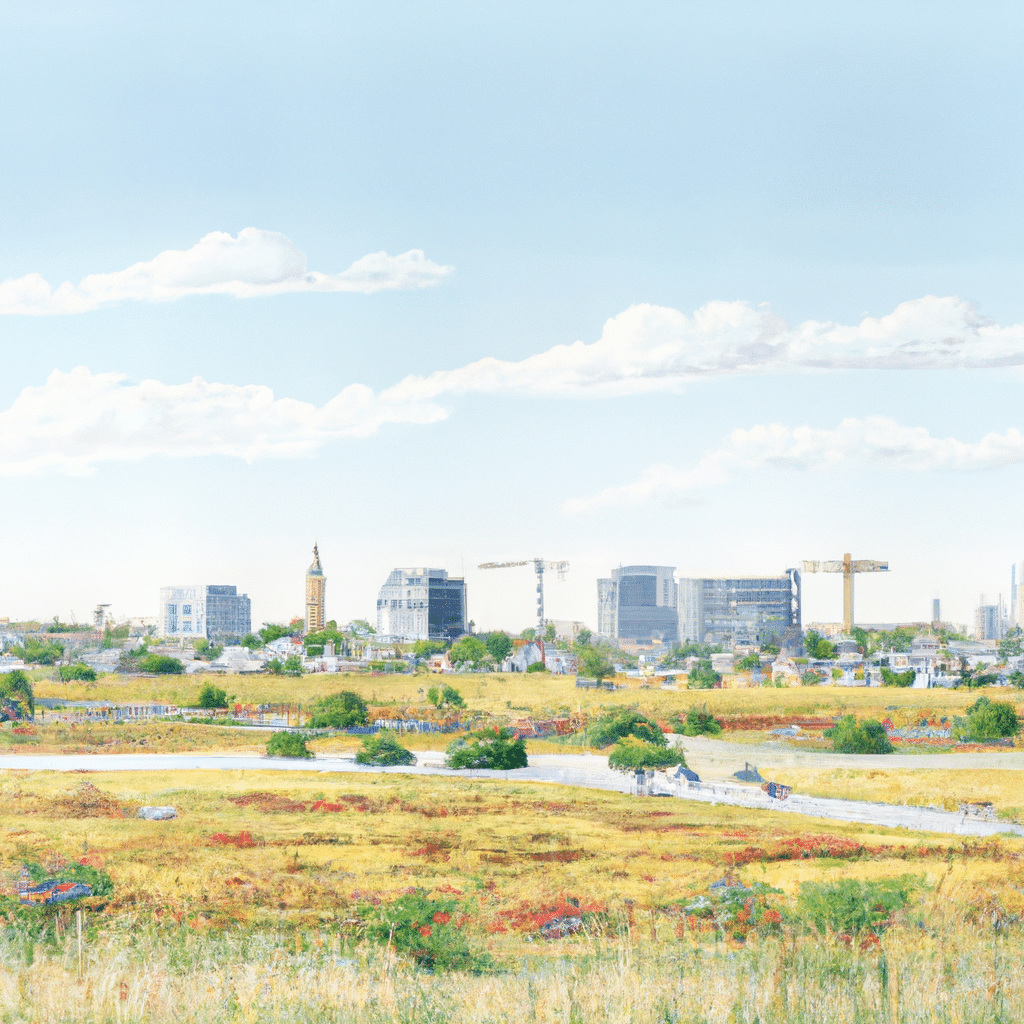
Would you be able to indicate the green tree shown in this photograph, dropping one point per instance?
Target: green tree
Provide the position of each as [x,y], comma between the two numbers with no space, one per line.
[274,666]
[292,665]
[426,648]
[549,632]
[342,710]
[488,748]
[78,671]
[528,634]
[499,646]
[1012,645]
[627,722]
[852,737]
[583,637]
[704,677]
[1017,679]
[468,650]
[630,754]
[161,664]
[991,719]
[287,744]
[362,628]
[700,722]
[211,696]
[862,638]
[273,631]
[252,641]
[594,664]
[446,696]
[751,663]
[810,678]
[890,678]
[34,651]
[15,685]
[383,749]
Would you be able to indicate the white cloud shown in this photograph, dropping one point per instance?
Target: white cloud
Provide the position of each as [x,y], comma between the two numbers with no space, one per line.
[875,439]
[654,348]
[79,419]
[253,263]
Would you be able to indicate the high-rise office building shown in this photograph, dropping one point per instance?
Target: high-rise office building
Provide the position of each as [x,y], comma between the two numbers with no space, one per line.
[639,603]
[316,589]
[989,620]
[204,611]
[936,610]
[421,604]
[740,610]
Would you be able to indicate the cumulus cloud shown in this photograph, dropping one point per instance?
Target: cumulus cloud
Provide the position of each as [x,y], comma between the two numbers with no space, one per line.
[876,439]
[655,348]
[79,419]
[253,263]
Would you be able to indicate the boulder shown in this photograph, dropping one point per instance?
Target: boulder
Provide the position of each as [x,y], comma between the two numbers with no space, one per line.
[157,813]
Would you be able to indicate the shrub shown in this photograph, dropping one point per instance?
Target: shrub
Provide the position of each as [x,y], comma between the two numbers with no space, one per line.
[15,685]
[852,737]
[425,929]
[161,664]
[630,753]
[751,663]
[810,678]
[538,666]
[211,696]
[287,744]
[446,696]
[625,723]
[699,722]
[292,666]
[851,906]
[469,650]
[339,711]
[488,748]
[890,678]
[991,720]
[99,881]
[704,677]
[79,671]
[384,749]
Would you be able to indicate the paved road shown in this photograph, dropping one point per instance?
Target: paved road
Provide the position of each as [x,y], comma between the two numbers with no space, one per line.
[586,770]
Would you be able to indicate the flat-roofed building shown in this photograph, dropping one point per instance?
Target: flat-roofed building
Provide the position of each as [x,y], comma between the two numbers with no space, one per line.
[740,610]
[421,604]
[638,602]
[212,610]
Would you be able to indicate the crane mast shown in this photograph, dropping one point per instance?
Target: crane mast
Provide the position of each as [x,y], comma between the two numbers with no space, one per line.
[539,566]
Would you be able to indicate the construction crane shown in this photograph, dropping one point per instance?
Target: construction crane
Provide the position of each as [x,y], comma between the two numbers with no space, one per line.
[849,569]
[539,566]
[99,616]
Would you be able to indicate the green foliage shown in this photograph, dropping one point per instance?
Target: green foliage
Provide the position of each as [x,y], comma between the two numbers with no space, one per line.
[810,678]
[82,672]
[528,634]
[292,665]
[362,628]
[384,749]
[34,651]
[252,641]
[769,648]
[850,906]
[680,652]
[899,639]
[469,650]
[852,737]
[273,631]
[549,632]
[15,685]
[499,646]
[583,637]
[339,711]
[425,648]
[446,696]
[631,753]
[700,722]
[594,664]
[991,720]
[274,666]
[704,677]
[99,881]
[751,663]
[1017,679]
[211,696]
[537,666]
[862,638]
[890,678]
[487,748]
[1012,645]
[818,647]
[161,664]
[287,744]
[427,930]
[625,723]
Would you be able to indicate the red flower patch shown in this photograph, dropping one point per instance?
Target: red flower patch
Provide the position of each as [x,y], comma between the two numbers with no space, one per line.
[441,917]
[425,931]
[243,840]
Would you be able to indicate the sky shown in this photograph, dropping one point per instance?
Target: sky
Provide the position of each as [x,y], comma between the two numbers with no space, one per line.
[723,286]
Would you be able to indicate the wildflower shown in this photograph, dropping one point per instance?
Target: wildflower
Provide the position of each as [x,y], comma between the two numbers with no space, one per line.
[441,917]
[425,931]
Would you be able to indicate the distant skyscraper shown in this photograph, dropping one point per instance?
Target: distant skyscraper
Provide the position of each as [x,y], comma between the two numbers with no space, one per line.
[203,611]
[1017,594]
[936,611]
[740,609]
[421,604]
[989,621]
[639,602]
[316,585]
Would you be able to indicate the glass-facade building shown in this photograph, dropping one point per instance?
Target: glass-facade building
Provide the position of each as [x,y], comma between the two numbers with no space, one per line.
[639,603]
[740,610]
[421,604]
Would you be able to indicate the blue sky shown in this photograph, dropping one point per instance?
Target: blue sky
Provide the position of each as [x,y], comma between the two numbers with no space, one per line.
[556,165]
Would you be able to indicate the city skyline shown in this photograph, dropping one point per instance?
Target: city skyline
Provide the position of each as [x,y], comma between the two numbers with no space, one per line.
[700,285]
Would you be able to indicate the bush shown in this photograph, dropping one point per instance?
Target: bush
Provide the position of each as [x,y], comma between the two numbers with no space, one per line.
[446,696]
[537,666]
[428,931]
[851,906]
[890,678]
[99,881]
[751,663]
[69,672]
[625,723]
[211,696]
[631,753]
[342,710]
[292,666]
[38,652]
[991,720]
[384,749]
[287,744]
[15,685]
[499,646]
[488,748]
[852,737]
[810,678]
[700,722]
[704,677]
[161,664]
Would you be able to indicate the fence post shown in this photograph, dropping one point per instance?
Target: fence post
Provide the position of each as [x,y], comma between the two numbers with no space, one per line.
[78,915]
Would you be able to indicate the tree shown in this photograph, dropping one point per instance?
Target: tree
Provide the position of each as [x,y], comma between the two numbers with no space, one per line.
[528,634]
[488,748]
[1017,679]
[274,666]
[632,754]
[810,678]
[79,671]
[447,696]
[852,737]
[1012,645]
[583,637]
[287,744]
[426,648]
[751,663]
[211,696]
[991,720]
[625,723]
[499,646]
[38,652]
[549,632]
[273,631]
[161,664]
[362,628]
[700,722]
[384,749]
[704,677]
[468,650]
[594,664]
[15,685]
[342,710]
[293,665]
[890,678]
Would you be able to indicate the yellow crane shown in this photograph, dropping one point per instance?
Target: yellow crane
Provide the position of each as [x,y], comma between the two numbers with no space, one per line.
[849,568]
[539,567]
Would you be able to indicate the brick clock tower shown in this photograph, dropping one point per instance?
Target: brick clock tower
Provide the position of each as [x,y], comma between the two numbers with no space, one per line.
[316,584]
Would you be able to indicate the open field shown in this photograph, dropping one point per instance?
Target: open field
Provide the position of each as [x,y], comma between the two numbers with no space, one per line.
[248,905]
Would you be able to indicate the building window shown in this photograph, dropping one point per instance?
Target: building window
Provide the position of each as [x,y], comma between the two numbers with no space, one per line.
[186,609]
[172,609]
[186,626]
